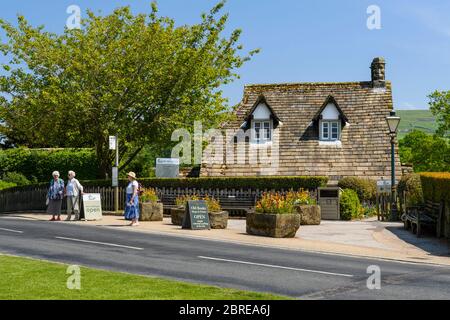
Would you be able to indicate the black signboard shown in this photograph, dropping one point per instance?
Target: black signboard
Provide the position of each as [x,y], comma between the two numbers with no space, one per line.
[196,217]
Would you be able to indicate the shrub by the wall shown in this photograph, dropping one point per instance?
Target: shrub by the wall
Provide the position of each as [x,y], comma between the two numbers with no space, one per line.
[436,186]
[365,188]
[349,205]
[261,183]
[38,164]
[412,186]
[6,185]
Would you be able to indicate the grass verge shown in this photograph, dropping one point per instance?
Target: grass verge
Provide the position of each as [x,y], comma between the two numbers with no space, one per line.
[29,279]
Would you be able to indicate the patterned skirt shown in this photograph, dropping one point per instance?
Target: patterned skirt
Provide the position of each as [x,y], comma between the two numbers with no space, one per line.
[54,207]
[131,211]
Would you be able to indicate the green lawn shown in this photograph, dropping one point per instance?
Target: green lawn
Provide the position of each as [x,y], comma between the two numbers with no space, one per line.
[23,278]
[422,120]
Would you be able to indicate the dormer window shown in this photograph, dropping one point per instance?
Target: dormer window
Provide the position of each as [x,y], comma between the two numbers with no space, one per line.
[330,120]
[261,120]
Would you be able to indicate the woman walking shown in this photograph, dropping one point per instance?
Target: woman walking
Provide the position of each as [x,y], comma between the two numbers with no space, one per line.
[55,196]
[132,200]
[73,191]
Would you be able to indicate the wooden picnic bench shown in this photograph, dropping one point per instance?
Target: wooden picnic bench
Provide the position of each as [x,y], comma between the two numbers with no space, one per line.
[417,217]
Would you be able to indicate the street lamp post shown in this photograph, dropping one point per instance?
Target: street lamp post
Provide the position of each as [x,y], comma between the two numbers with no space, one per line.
[393,122]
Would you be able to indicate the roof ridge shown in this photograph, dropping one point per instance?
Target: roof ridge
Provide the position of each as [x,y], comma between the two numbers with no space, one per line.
[310,83]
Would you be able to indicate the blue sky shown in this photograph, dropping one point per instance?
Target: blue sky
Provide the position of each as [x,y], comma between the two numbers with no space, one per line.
[308,40]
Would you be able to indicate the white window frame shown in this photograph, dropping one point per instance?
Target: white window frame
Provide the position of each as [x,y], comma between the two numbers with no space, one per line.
[261,123]
[329,124]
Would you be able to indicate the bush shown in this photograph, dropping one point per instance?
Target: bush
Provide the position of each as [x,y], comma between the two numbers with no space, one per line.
[366,189]
[15,178]
[6,185]
[349,205]
[412,186]
[436,186]
[38,164]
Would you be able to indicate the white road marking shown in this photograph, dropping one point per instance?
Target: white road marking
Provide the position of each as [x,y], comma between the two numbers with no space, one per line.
[102,243]
[278,267]
[10,230]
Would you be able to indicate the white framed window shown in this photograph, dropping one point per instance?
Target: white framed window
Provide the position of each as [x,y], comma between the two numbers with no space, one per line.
[261,131]
[330,130]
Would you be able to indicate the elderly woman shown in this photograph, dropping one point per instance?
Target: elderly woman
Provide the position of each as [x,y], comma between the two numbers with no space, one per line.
[55,195]
[132,200]
[73,191]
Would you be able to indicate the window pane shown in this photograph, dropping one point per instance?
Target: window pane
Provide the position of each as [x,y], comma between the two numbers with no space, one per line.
[334,130]
[325,134]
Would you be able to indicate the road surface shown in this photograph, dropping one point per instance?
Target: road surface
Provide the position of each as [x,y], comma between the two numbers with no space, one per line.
[299,274]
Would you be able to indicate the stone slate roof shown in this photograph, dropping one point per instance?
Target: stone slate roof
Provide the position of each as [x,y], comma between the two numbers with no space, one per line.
[365,141]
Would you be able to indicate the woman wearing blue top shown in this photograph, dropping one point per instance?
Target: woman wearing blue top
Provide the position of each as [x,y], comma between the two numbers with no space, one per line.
[55,196]
[132,200]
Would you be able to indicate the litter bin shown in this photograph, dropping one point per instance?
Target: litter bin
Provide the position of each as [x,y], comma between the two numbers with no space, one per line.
[328,200]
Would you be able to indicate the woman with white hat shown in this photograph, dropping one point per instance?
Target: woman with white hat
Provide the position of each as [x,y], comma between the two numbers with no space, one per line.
[132,200]
[55,196]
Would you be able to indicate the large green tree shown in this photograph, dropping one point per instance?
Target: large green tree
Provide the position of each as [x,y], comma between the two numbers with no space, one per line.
[425,152]
[138,76]
[440,107]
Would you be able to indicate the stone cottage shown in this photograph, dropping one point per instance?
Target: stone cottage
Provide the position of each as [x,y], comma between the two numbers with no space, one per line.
[329,129]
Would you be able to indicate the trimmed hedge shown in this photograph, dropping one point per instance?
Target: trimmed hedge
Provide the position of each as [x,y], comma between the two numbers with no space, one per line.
[411,184]
[436,186]
[349,205]
[38,164]
[365,188]
[262,183]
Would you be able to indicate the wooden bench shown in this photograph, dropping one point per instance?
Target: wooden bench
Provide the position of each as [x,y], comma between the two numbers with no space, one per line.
[418,217]
[235,205]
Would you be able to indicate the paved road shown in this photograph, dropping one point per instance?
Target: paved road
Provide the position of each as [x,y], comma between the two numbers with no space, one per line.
[287,272]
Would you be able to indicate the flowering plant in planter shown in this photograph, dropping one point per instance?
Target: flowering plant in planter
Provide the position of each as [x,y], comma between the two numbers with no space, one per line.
[150,208]
[149,195]
[278,203]
[181,201]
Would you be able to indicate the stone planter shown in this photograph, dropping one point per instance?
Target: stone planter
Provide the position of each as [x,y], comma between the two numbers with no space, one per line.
[218,220]
[151,211]
[177,215]
[310,215]
[273,225]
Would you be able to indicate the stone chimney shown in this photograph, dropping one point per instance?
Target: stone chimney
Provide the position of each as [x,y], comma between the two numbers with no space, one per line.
[378,72]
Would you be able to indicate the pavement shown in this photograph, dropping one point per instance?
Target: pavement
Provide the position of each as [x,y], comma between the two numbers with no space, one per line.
[211,257]
[367,238]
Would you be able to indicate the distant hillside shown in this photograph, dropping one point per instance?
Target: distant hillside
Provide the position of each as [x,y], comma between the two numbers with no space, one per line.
[416,119]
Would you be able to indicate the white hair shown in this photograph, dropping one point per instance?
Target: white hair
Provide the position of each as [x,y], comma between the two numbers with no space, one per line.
[55,173]
[71,173]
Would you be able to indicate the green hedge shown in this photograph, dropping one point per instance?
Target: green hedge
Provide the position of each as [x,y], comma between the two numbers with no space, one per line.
[38,164]
[6,185]
[365,188]
[262,183]
[436,186]
[349,205]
